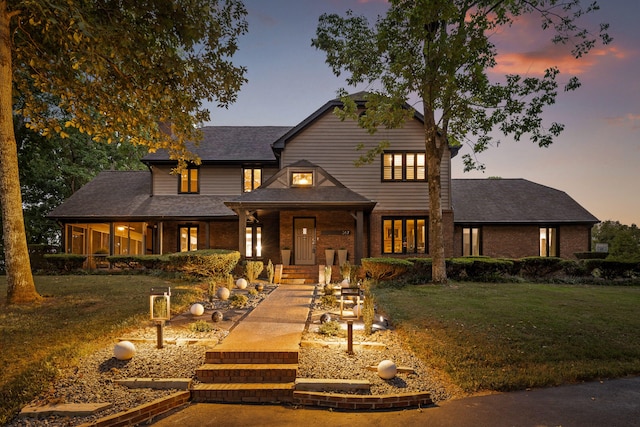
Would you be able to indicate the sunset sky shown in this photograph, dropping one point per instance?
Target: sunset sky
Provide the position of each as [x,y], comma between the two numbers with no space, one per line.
[596,160]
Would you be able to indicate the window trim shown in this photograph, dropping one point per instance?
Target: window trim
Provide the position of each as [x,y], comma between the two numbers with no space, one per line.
[404,243]
[406,154]
[189,180]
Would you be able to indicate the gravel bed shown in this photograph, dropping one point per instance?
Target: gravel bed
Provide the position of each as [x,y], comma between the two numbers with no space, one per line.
[93,379]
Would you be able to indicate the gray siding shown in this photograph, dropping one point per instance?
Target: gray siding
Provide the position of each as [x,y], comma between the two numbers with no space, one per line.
[214,180]
[331,144]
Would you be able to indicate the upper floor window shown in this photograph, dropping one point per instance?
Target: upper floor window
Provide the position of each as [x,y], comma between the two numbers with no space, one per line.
[404,166]
[402,235]
[549,241]
[302,179]
[470,241]
[189,180]
[252,179]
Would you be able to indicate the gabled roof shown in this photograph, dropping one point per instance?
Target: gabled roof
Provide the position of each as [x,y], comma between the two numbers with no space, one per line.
[125,195]
[230,144]
[359,98]
[513,201]
[327,192]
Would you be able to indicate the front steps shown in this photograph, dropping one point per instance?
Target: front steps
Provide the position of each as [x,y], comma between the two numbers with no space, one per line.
[246,377]
[299,274]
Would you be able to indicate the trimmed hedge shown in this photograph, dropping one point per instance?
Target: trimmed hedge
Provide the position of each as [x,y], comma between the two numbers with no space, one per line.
[612,269]
[379,269]
[481,269]
[205,263]
[538,267]
[64,263]
[148,262]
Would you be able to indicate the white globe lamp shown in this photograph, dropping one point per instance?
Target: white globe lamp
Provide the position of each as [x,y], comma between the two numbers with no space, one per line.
[124,350]
[241,283]
[197,309]
[387,369]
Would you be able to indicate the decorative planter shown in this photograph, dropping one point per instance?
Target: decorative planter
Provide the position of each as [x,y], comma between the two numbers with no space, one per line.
[329,255]
[286,256]
[342,256]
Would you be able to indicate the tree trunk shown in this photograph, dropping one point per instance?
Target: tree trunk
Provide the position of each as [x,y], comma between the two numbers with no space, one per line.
[20,285]
[435,148]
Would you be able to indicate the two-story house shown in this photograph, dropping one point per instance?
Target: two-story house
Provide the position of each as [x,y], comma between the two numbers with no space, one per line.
[260,189]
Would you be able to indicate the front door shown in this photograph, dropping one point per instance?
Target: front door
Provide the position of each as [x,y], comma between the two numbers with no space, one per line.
[304,241]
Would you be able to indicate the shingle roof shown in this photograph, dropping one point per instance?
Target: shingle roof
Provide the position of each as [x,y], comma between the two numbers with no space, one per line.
[231,144]
[114,195]
[514,201]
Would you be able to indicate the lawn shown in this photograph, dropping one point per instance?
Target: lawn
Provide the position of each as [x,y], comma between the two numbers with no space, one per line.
[77,315]
[515,336]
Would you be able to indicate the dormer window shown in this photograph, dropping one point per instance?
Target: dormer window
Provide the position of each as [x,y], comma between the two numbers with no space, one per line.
[302,179]
[189,181]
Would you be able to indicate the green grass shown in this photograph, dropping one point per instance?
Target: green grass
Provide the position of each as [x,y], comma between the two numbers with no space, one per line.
[514,336]
[77,315]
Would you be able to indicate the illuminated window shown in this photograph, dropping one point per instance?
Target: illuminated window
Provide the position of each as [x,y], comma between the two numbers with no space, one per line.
[302,179]
[253,239]
[188,238]
[189,180]
[252,179]
[404,235]
[470,241]
[548,241]
[404,167]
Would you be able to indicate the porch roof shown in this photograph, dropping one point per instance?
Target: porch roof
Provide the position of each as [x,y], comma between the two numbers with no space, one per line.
[302,198]
[125,195]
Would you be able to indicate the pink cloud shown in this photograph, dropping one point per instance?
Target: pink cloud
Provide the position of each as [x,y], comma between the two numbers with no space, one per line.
[632,120]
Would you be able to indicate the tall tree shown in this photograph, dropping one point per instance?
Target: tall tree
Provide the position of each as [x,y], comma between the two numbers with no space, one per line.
[623,240]
[132,69]
[441,51]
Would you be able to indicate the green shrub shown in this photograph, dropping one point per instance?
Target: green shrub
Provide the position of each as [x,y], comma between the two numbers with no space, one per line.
[540,267]
[271,272]
[329,301]
[65,263]
[200,326]
[331,329]
[572,268]
[148,262]
[612,269]
[481,269]
[252,270]
[368,309]
[591,255]
[205,263]
[379,269]
[238,301]
[253,292]
[420,272]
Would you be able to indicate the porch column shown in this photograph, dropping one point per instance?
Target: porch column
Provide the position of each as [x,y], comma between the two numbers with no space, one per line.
[242,225]
[359,241]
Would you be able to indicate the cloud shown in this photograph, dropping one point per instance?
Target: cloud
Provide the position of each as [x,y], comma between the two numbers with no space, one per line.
[630,119]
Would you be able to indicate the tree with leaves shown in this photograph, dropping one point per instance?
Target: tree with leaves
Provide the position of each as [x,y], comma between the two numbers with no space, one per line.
[126,69]
[441,52]
[623,240]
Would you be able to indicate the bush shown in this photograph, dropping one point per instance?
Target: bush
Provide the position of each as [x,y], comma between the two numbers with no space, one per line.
[65,263]
[238,301]
[148,262]
[539,267]
[612,269]
[480,269]
[205,263]
[379,269]
[420,272]
[331,329]
[252,270]
[591,255]
[200,326]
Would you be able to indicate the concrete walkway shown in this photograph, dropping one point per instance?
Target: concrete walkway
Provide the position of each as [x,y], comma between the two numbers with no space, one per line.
[274,325]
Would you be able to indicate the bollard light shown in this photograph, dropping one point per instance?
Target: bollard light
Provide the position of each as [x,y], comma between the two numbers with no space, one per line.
[160,303]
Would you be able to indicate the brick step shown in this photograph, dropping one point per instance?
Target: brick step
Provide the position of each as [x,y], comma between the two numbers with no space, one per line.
[243,393]
[221,356]
[299,274]
[246,373]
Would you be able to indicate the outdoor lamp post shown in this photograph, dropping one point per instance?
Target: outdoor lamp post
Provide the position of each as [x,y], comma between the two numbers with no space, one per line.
[160,309]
